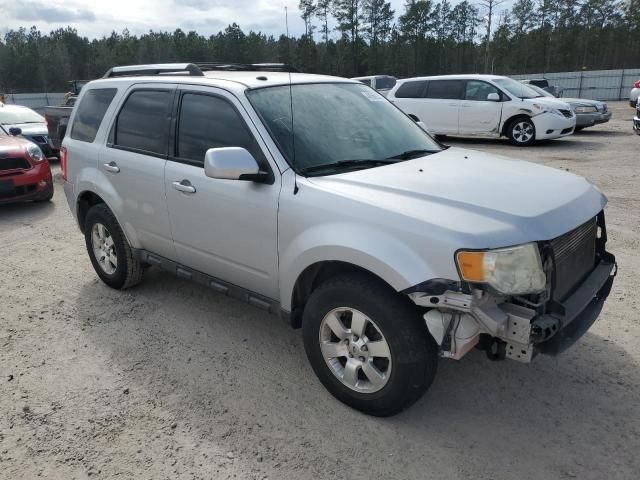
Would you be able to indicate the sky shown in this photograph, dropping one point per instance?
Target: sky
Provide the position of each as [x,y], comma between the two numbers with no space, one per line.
[97,18]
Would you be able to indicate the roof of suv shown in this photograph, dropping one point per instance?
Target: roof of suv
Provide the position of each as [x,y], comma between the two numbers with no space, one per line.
[467,76]
[235,80]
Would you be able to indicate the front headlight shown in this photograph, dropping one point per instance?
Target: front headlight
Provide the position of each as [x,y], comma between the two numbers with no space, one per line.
[35,153]
[585,109]
[512,271]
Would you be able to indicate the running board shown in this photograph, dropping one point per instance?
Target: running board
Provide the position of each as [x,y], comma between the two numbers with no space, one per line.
[220,286]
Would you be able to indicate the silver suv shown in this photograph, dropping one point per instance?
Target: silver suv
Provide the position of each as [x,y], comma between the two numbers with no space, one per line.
[316,199]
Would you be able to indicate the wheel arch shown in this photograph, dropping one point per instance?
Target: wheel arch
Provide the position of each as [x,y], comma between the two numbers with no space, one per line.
[314,275]
[511,119]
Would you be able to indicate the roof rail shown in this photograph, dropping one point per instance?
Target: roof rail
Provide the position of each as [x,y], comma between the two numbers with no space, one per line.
[246,67]
[156,69]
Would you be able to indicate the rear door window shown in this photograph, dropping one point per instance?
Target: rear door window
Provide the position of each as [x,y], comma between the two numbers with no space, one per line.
[90,113]
[414,89]
[208,121]
[143,122]
[445,89]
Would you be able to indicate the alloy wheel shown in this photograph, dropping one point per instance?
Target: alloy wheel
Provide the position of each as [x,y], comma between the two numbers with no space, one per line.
[104,248]
[355,350]
[523,132]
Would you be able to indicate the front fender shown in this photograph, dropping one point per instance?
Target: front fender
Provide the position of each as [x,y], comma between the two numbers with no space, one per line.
[371,249]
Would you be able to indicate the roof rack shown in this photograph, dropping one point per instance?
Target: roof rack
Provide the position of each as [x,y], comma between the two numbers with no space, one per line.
[247,67]
[195,69]
[157,69]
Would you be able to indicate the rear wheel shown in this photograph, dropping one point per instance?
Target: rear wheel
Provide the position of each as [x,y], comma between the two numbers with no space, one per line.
[522,132]
[111,255]
[368,345]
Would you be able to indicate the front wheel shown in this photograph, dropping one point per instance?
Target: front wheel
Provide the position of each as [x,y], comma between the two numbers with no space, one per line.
[522,132]
[368,345]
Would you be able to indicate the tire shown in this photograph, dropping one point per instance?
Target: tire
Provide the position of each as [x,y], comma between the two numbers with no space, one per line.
[579,129]
[521,132]
[412,352]
[127,270]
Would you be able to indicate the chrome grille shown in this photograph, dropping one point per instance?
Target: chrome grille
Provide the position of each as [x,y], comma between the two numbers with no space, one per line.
[575,255]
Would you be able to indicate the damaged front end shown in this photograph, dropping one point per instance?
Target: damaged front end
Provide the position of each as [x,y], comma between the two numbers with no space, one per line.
[578,275]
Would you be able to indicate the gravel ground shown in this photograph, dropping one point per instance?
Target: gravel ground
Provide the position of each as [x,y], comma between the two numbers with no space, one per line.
[170,380]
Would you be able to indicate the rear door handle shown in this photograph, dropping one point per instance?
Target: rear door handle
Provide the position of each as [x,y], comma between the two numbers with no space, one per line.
[111,167]
[184,186]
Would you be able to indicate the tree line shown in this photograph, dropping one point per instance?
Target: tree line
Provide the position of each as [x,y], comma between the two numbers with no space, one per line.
[357,37]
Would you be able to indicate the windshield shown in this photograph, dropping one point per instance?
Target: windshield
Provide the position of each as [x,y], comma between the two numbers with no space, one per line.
[12,116]
[337,122]
[517,89]
[541,91]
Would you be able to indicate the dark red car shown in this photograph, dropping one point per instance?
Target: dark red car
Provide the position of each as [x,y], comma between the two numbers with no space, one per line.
[24,171]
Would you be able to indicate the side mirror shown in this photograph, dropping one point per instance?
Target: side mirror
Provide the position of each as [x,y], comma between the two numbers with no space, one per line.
[493,97]
[232,163]
[15,131]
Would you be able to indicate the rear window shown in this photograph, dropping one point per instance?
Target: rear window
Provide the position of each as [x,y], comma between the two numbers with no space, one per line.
[445,89]
[385,83]
[143,121]
[90,113]
[414,89]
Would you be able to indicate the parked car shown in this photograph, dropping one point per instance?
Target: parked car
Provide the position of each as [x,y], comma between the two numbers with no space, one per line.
[636,120]
[635,93]
[381,83]
[316,199]
[57,117]
[24,171]
[554,90]
[485,105]
[19,120]
[588,112]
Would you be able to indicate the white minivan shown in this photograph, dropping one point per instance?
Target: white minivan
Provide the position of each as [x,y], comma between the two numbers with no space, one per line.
[486,105]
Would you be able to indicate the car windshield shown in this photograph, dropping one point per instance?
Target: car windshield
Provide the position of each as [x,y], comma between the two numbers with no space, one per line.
[541,91]
[12,116]
[516,88]
[338,125]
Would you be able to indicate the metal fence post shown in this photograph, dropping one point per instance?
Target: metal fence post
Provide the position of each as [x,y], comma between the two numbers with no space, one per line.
[621,85]
[580,85]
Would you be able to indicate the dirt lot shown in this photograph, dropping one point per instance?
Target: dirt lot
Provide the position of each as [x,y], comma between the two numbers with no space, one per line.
[171,380]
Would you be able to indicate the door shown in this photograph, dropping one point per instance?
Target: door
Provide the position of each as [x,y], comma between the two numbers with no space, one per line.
[225,228]
[134,162]
[441,109]
[478,115]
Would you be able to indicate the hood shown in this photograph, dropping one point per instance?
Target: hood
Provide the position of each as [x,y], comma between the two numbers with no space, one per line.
[582,101]
[30,128]
[12,145]
[483,200]
[549,102]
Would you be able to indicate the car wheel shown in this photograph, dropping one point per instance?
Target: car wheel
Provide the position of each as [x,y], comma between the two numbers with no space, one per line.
[111,255]
[579,129]
[522,132]
[368,344]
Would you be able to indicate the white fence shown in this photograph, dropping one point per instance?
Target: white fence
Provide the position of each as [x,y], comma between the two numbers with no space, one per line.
[36,101]
[595,84]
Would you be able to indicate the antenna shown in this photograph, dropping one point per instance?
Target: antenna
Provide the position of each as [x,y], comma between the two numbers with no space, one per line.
[293,132]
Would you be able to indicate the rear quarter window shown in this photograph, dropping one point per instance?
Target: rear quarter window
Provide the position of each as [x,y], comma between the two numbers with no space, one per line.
[90,113]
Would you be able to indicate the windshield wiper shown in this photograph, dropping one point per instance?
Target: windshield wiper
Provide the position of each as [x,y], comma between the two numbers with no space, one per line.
[347,164]
[409,154]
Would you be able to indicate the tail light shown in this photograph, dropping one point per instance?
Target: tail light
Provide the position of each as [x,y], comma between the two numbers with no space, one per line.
[63,162]
[637,84]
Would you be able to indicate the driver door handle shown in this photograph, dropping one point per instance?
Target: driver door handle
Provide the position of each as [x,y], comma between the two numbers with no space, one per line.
[184,186]
[111,167]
